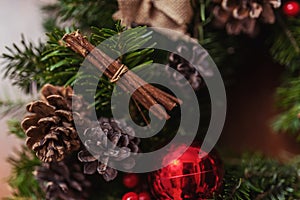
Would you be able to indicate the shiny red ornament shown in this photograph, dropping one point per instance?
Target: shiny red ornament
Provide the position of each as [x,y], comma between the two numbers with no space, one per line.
[192,176]
[144,196]
[130,196]
[130,180]
[291,8]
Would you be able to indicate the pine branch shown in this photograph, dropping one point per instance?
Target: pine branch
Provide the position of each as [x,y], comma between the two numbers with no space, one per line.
[22,63]
[220,47]
[285,46]
[217,42]
[288,96]
[57,64]
[83,14]
[61,64]
[115,45]
[259,178]
[286,50]
[15,128]
[27,64]
[30,64]
[132,39]
[22,180]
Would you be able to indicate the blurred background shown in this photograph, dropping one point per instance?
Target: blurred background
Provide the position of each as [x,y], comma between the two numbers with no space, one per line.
[16,17]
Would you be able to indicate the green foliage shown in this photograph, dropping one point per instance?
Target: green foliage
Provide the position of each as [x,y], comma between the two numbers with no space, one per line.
[60,63]
[215,49]
[288,100]
[22,63]
[83,14]
[286,50]
[225,53]
[126,48]
[14,127]
[57,64]
[45,63]
[222,48]
[257,178]
[23,165]
[22,179]
[285,45]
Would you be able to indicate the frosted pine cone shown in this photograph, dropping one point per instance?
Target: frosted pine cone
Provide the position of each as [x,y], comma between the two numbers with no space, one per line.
[240,16]
[193,55]
[101,151]
[50,128]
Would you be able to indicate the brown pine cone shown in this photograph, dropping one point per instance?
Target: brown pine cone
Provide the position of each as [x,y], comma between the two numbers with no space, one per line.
[241,16]
[63,180]
[50,129]
[101,142]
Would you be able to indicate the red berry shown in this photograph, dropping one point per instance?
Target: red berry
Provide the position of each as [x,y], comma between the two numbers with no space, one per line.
[130,196]
[144,196]
[130,180]
[291,8]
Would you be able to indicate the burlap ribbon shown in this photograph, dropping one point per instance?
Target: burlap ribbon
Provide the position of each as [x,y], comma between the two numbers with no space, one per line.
[172,14]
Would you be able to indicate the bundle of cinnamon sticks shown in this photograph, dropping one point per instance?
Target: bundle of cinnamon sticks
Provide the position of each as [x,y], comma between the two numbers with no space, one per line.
[142,92]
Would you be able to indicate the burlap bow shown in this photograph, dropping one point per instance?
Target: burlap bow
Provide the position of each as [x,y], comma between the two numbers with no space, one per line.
[172,14]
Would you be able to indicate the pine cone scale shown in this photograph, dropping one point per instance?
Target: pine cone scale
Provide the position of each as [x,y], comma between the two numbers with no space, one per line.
[34,131]
[47,121]
[29,121]
[65,115]
[29,142]
[41,108]
[90,168]
[58,101]
[85,156]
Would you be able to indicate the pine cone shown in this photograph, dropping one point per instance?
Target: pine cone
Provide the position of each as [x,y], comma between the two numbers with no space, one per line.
[63,180]
[50,129]
[241,16]
[195,56]
[100,143]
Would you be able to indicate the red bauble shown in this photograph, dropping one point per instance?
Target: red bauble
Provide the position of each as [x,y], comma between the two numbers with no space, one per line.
[130,180]
[130,196]
[144,196]
[190,177]
[291,8]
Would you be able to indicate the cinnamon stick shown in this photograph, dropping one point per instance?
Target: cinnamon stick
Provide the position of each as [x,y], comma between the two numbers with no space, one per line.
[142,92]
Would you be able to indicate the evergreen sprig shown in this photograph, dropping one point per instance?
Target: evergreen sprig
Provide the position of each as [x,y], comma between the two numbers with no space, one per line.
[45,63]
[23,164]
[22,179]
[128,46]
[285,49]
[14,127]
[22,64]
[125,45]
[60,63]
[57,64]
[83,14]
[285,45]
[288,95]
[258,178]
